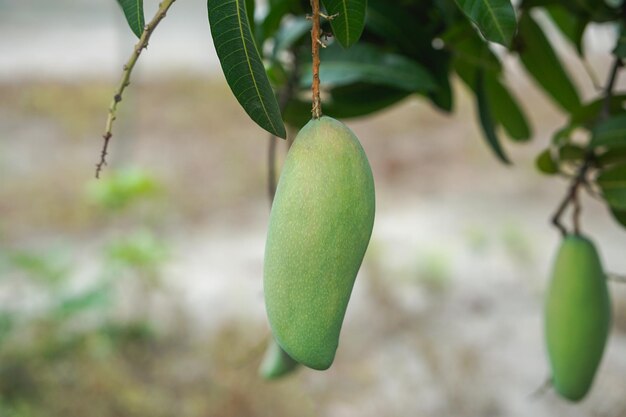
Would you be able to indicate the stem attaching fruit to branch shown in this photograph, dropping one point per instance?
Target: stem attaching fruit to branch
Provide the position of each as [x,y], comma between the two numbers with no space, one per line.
[580,179]
[315,47]
[125,81]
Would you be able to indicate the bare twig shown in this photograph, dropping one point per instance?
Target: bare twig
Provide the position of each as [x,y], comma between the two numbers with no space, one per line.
[315,47]
[125,81]
[581,176]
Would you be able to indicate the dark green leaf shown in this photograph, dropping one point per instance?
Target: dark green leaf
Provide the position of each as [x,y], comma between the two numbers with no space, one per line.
[620,47]
[470,53]
[612,181]
[346,102]
[133,10]
[506,111]
[250,6]
[544,66]
[587,115]
[611,132]
[571,153]
[242,65]
[486,119]
[364,63]
[612,156]
[349,19]
[494,18]
[546,164]
[571,25]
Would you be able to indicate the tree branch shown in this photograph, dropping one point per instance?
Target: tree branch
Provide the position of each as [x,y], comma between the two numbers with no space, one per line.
[571,197]
[315,48]
[125,81]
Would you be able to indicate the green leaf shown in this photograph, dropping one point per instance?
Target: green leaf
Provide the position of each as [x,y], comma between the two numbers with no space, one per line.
[364,63]
[349,21]
[546,164]
[612,181]
[346,102]
[470,52]
[612,156]
[611,132]
[486,119]
[571,153]
[495,19]
[97,297]
[620,48]
[133,10]
[571,25]
[242,65]
[544,66]
[506,111]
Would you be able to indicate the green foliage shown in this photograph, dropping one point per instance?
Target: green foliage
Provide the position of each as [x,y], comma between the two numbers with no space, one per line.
[494,18]
[486,119]
[123,189]
[242,65]
[133,10]
[544,66]
[348,20]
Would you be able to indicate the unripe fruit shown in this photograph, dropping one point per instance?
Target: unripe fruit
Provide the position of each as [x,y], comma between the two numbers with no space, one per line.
[319,229]
[578,315]
[276,363]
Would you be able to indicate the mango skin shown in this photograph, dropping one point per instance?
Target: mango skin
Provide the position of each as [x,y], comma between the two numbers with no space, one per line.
[276,363]
[578,317]
[319,228]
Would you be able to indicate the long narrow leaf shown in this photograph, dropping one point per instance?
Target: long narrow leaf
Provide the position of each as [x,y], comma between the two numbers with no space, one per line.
[242,65]
[506,110]
[363,63]
[133,10]
[544,66]
[348,20]
[486,119]
[494,18]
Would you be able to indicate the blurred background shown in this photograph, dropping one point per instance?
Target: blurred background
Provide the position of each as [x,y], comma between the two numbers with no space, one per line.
[140,294]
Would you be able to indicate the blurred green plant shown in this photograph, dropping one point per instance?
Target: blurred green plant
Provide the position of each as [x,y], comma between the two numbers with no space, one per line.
[57,310]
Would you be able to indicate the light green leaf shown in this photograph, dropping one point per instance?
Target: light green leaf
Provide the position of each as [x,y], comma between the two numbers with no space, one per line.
[364,63]
[242,65]
[486,119]
[613,184]
[611,132]
[495,19]
[349,21]
[544,66]
[133,10]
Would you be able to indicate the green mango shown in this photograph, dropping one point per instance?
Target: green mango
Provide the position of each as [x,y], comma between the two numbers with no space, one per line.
[276,363]
[578,316]
[319,228]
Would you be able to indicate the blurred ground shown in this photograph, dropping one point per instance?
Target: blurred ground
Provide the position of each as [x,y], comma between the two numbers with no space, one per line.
[445,318]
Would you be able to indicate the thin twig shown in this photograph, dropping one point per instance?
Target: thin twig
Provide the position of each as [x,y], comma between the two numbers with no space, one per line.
[581,175]
[315,47]
[125,81]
